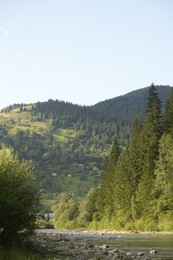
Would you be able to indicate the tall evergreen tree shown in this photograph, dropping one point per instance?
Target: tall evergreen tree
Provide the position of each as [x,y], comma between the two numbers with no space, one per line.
[128,172]
[135,153]
[163,188]
[164,175]
[108,176]
[150,151]
[168,117]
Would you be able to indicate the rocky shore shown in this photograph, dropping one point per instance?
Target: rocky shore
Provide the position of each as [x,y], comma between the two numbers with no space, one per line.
[64,246]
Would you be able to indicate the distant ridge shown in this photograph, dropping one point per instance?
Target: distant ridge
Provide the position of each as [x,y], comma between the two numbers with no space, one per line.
[132,104]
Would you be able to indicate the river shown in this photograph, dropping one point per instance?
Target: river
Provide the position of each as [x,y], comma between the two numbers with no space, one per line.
[128,242]
[155,245]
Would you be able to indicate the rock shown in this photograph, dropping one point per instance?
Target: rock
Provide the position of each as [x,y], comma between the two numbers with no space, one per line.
[104,246]
[153,251]
[73,248]
[116,250]
[140,253]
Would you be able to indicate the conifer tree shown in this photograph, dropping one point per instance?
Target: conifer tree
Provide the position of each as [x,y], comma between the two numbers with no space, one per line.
[123,185]
[135,153]
[150,151]
[128,172]
[108,176]
[164,175]
[168,117]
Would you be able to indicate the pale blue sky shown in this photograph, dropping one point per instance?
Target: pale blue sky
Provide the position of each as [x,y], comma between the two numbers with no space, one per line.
[83,51]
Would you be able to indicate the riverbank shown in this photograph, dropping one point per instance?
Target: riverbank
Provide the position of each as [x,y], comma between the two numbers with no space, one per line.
[119,232]
[73,246]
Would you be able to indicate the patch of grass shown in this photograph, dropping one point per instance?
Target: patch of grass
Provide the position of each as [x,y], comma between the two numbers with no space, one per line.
[16,120]
[47,202]
[63,135]
[16,254]
[60,138]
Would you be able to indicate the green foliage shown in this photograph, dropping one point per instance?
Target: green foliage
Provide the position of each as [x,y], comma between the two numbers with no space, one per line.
[67,144]
[44,224]
[136,189]
[108,178]
[18,196]
[152,132]
[17,253]
[87,209]
[164,175]
[168,116]
[165,222]
[63,138]
[65,212]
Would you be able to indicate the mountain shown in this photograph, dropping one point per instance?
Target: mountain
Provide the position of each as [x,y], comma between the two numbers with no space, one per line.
[124,110]
[131,106]
[67,142]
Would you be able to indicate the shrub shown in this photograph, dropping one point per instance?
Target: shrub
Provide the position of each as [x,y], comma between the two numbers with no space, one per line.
[18,196]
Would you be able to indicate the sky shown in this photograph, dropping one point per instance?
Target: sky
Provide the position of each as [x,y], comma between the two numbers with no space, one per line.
[83,51]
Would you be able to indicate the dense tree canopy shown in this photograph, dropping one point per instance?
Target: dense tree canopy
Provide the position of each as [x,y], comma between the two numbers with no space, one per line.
[168,118]
[18,196]
[136,189]
[65,139]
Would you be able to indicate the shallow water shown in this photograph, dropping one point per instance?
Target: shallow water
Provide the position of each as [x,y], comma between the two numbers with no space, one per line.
[162,243]
[127,242]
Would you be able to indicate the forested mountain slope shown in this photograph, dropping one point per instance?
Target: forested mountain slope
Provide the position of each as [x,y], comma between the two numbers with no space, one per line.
[131,106]
[135,192]
[67,142]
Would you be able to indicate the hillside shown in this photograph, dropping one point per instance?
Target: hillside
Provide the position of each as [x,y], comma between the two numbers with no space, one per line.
[66,142]
[135,192]
[128,107]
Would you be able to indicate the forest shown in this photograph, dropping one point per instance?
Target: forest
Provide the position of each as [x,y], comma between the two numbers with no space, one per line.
[136,189]
[105,172]
[67,143]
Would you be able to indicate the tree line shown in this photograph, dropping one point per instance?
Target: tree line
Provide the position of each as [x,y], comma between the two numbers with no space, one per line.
[75,139]
[136,187]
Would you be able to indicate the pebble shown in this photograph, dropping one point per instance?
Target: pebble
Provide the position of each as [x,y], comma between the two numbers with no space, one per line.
[70,248]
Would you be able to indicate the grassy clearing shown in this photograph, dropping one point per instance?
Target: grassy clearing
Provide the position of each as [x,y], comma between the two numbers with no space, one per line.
[16,120]
[47,202]
[63,135]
